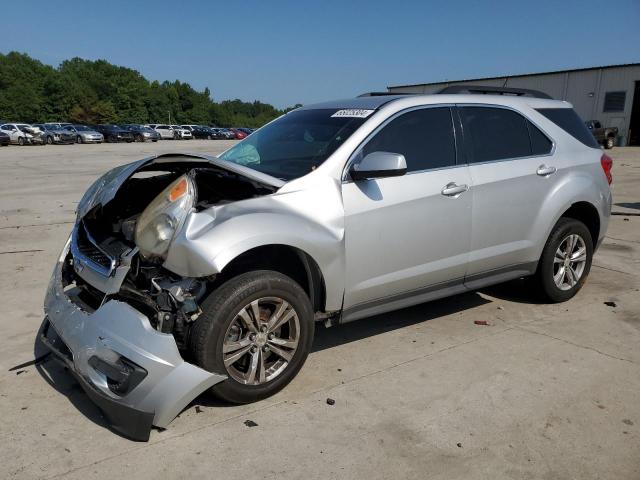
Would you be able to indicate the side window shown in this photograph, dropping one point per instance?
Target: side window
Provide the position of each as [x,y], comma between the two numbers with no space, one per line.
[540,144]
[425,138]
[568,120]
[494,134]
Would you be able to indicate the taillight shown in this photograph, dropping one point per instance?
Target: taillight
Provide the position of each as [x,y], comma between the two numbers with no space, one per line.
[607,165]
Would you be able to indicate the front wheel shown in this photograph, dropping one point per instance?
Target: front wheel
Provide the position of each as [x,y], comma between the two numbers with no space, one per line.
[79,139]
[608,144]
[257,329]
[565,261]
[21,141]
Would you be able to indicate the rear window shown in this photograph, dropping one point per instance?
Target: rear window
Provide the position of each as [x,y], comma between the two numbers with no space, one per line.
[568,120]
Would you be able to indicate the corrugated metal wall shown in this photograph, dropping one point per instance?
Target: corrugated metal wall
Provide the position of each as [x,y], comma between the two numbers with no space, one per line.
[585,89]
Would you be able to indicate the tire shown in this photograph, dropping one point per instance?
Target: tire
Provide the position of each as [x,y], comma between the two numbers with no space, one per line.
[220,324]
[551,261]
[111,139]
[49,140]
[79,139]
[139,138]
[608,143]
[21,141]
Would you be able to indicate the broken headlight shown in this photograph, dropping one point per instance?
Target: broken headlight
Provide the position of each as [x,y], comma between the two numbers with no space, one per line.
[160,221]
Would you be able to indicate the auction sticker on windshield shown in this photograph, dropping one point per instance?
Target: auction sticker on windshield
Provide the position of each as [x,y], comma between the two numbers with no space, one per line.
[353,113]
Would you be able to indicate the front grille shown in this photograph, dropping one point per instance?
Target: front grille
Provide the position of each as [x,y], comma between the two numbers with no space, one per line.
[90,250]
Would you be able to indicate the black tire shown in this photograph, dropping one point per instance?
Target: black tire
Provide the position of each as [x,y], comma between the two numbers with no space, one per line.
[139,138]
[609,143]
[544,277]
[49,140]
[21,141]
[111,139]
[219,311]
[79,139]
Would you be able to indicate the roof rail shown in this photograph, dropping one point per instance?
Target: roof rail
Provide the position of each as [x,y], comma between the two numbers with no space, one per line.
[382,94]
[518,92]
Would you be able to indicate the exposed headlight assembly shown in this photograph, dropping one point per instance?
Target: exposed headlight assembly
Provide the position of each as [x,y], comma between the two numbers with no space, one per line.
[160,221]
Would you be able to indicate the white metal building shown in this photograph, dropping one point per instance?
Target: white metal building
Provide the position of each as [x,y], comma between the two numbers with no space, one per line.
[610,94]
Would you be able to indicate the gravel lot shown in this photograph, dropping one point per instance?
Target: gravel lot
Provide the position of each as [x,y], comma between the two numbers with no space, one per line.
[544,391]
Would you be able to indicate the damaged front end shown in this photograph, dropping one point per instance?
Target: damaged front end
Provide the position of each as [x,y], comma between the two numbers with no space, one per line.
[115,315]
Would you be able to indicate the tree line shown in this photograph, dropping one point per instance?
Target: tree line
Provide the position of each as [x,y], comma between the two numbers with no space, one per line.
[86,91]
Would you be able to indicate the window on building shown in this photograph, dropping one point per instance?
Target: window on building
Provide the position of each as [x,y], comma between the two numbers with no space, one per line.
[614,101]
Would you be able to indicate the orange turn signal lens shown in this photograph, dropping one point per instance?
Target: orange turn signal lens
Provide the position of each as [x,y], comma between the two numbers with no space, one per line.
[178,190]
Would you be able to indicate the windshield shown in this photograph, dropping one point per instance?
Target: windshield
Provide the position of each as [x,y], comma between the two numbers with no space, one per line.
[296,143]
[81,128]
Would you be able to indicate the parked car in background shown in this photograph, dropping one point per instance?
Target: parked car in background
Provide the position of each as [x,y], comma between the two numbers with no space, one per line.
[58,124]
[217,133]
[606,136]
[238,134]
[86,134]
[200,131]
[182,133]
[142,133]
[248,131]
[5,139]
[165,131]
[23,134]
[113,133]
[58,135]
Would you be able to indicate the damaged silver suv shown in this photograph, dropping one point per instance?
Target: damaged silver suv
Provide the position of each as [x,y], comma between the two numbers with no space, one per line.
[188,273]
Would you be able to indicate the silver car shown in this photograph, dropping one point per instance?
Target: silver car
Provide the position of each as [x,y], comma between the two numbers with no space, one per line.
[187,273]
[84,134]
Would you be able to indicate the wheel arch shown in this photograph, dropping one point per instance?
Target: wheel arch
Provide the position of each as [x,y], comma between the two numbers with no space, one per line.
[286,259]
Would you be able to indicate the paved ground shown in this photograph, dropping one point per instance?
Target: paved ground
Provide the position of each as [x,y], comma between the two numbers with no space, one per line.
[546,391]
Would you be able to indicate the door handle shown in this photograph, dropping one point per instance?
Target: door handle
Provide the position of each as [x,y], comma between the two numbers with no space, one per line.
[453,190]
[544,171]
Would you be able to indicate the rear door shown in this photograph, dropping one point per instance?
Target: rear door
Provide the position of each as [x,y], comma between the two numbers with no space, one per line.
[407,235]
[512,169]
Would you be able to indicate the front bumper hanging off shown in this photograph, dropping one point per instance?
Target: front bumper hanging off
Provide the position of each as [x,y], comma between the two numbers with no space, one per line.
[132,372]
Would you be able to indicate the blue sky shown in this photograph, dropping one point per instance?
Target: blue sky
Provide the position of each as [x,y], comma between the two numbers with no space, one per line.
[287,52]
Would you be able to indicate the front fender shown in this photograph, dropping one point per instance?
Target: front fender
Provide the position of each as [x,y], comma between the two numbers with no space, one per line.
[310,219]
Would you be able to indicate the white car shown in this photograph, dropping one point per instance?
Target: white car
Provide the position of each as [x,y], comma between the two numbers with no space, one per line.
[182,133]
[22,133]
[165,131]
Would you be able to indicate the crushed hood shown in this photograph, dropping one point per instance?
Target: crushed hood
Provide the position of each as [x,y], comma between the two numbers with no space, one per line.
[105,188]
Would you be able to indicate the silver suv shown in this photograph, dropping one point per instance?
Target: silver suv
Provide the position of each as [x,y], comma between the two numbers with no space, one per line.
[190,273]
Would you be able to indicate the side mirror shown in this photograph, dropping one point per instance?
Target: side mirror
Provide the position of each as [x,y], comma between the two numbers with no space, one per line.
[379,165]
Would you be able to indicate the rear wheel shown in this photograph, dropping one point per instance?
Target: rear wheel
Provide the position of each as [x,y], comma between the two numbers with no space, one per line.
[257,329]
[139,138]
[565,261]
[608,144]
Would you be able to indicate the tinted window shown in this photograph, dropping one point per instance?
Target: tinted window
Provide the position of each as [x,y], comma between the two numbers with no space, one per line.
[494,134]
[424,137]
[568,120]
[540,144]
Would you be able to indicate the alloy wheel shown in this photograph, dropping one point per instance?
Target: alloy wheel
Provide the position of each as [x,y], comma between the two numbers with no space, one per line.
[569,262]
[261,341]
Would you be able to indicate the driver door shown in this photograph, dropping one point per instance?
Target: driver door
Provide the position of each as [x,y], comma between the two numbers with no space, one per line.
[407,238]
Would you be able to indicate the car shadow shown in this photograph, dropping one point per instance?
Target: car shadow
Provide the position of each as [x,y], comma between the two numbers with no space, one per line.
[58,377]
[521,290]
[633,205]
[368,327]
[63,382]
